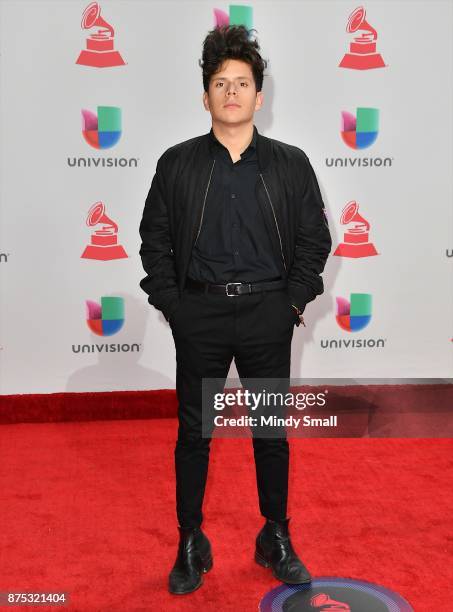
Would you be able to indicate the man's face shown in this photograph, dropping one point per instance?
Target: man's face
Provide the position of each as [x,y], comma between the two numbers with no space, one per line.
[232,98]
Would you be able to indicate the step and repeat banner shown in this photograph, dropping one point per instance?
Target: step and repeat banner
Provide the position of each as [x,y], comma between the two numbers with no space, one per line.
[93,93]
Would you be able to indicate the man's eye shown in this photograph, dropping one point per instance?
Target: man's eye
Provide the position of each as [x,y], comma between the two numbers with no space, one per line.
[244,83]
[219,83]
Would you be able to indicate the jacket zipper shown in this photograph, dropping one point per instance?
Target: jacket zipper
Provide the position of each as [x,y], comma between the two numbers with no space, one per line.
[204,202]
[276,224]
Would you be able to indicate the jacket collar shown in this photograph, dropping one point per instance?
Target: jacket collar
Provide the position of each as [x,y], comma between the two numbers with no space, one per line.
[216,144]
[262,143]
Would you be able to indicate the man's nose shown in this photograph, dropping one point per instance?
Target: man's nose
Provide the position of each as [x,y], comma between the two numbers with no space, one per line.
[231,89]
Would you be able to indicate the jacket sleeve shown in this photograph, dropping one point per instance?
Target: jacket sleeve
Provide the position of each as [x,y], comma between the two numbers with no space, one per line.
[160,282]
[313,244]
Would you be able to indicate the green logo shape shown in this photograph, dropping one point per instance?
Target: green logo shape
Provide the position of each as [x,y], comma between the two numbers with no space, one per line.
[241,15]
[367,120]
[109,119]
[112,308]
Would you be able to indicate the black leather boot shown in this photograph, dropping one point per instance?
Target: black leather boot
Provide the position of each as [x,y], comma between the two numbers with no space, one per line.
[194,558]
[274,550]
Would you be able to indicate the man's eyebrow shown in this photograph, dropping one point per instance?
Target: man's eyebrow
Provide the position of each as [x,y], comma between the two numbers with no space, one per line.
[224,78]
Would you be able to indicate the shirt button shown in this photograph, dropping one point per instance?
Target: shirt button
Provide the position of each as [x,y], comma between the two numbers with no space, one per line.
[236,252]
[235,225]
[233,195]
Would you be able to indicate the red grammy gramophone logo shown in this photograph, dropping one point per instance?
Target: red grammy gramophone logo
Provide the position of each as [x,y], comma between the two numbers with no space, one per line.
[356,243]
[100,52]
[362,50]
[104,242]
[322,601]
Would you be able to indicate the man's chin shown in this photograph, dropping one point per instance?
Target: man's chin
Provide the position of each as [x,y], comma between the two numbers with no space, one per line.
[231,121]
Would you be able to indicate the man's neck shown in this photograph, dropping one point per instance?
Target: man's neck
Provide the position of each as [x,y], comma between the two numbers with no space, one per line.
[235,138]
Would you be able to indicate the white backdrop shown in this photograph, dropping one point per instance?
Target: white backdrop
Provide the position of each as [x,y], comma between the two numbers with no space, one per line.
[44,200]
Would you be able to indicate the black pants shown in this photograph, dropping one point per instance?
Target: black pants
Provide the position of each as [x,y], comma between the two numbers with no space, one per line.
[209,330]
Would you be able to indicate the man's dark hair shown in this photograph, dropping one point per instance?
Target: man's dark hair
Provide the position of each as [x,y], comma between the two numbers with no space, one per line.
[231,42]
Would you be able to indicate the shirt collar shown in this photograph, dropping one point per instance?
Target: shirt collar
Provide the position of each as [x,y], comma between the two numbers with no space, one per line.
[217,146]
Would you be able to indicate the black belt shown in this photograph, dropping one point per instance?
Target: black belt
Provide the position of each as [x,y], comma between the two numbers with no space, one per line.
[235,289]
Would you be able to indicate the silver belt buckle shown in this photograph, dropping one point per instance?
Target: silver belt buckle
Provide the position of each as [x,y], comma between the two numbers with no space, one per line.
[231,294]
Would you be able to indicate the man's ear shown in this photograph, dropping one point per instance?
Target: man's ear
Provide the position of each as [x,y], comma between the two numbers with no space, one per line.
[259,100]
[206,100]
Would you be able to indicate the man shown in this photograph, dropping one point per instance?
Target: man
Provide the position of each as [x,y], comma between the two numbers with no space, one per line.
[234,239]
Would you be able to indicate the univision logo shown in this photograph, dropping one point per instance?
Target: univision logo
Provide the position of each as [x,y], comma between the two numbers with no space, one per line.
[106,319]
[353,315]
[102,130]
[106,348]
[358,132]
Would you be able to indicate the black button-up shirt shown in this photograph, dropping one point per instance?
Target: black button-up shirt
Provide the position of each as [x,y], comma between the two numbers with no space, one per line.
[234,243]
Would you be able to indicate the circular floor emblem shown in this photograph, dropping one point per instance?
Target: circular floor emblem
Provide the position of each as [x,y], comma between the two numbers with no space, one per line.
[333,595]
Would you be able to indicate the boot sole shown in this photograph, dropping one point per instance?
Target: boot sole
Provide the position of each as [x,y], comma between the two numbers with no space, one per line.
[262,561]
[207,565]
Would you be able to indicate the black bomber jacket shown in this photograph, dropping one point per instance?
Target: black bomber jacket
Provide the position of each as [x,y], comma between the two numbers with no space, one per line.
[288,195]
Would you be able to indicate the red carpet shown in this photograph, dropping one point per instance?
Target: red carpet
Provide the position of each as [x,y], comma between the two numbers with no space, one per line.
[88,508]
[421,410]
